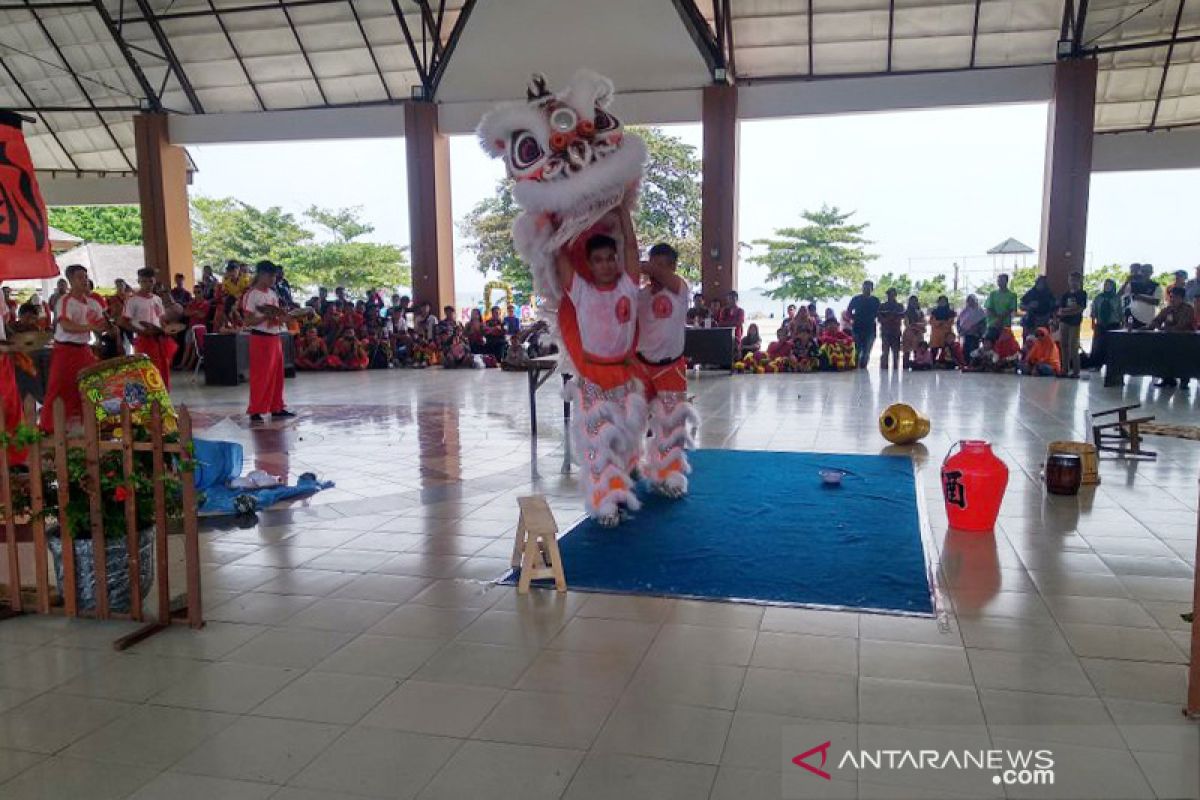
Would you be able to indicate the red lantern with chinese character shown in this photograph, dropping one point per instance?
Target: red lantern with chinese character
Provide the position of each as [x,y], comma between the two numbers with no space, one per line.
[973,484]
[24,231]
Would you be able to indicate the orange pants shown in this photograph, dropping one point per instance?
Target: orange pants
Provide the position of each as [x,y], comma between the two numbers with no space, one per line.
[66,362]
[161,350]
[266,375]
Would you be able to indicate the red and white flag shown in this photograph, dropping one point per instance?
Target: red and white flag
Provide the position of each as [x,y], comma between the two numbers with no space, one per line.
[24,229]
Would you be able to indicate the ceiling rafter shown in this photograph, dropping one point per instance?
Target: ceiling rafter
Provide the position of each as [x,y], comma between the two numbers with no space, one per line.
[168,51]
[370,50]
[237,55]
[1162,83]
[287,15]
[702,36]
[45,122]
[79,85]
[155,99]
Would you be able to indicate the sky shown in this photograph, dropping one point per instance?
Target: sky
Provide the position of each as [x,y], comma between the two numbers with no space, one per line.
[935,187]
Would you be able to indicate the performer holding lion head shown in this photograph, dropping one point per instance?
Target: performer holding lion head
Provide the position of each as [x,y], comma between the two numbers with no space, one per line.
[576,175]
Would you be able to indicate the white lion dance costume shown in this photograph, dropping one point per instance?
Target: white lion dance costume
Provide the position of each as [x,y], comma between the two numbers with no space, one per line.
[572,164]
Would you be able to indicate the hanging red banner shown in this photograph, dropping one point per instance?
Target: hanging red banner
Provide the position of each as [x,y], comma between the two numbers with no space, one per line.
[24,231]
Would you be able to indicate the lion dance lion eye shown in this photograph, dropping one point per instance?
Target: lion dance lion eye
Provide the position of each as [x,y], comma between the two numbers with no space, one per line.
[605,121]
[526,151]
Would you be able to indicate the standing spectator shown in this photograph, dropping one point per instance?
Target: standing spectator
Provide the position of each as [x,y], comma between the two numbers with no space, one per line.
[1038,304]
[1000,305]
[323,301]
[1070,319]
[864,311]
[891,322]
[914,330]
[941,324]
[61,288]
[1192,292]
[208,282]
[1106,316]
[1141,296]
[972,324]
[512,323]
[732,316]
[180,294]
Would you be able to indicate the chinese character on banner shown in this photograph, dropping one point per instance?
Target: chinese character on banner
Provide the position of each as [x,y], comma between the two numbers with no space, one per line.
[952,486]
[24,231]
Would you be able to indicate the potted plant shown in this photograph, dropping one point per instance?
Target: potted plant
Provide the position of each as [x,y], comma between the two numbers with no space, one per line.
[114,490]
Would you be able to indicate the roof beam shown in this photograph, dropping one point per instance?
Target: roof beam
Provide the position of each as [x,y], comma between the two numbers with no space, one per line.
[443,61]
[45,122]
[1162,83]
[892,30]
[811,55]
[702,35]
[975,31]
[166,16]
[148,92]
[237,55]
[79,85]
[370,50]
[287,15]
[1149,44]
[730,45]
[164,44]
[1080,21]
[418,62]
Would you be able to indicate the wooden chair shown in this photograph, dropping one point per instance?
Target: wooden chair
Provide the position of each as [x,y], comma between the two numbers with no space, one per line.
[536,549]
[1121,435]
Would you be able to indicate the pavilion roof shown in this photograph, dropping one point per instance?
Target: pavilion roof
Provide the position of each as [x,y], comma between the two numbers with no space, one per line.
[1010,246]
[84,67]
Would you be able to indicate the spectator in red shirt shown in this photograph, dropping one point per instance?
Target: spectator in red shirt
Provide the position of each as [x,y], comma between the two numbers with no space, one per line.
[732,316]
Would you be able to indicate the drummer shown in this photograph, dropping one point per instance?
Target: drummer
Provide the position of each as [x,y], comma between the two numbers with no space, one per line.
[145,317]
[79,315]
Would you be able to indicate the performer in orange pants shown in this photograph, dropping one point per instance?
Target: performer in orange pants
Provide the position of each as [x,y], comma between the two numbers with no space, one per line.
[78,315]
[662,322]
[11,399]
[263,314]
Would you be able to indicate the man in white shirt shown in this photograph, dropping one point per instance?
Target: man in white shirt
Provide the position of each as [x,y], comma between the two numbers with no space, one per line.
[144,315]
[264,318]
[78,315]
[597,320]
[662,328]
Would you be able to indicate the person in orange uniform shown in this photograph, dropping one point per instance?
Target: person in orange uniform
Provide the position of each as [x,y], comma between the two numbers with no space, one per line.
[78,316]
[662,325]
[265,319]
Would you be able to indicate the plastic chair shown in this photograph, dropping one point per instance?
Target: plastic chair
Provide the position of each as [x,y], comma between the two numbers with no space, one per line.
[197,341]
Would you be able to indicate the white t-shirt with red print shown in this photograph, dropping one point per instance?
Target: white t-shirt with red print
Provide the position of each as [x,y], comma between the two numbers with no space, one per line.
[142,311]
[254,299]
[607,317]
[662,322]
[80,310]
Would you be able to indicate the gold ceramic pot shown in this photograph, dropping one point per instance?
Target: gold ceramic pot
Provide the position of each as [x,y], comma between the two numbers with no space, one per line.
[902,424]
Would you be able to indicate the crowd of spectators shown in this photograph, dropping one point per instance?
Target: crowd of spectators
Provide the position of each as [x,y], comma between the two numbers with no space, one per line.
[980,337]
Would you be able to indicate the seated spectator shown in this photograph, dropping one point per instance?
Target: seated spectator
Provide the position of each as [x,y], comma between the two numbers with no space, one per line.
[311,351]
[715,313]
[782,346]
[476,339]
[1179,317]
[941,323]
[950,355]
[751,342]
[495,340]
[348,353]
[456,352]
[538,341]
[697,315]
[1041,356]
[836,347]
[447,324]
[922,357]
[515,359]
[804,321]
[806,352]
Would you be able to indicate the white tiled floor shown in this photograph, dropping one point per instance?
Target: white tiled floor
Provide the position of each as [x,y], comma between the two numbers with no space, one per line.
[355,647]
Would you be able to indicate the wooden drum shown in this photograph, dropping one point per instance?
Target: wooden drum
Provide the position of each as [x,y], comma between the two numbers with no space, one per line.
[1064,473]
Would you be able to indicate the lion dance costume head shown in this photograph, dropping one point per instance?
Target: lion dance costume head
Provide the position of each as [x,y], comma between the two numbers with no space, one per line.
[572,163]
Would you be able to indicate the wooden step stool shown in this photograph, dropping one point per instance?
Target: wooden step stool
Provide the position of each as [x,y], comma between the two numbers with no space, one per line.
[536,549]
[1122,435]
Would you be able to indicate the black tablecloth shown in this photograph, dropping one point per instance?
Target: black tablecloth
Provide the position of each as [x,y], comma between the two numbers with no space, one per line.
[710,347]
[1158,353]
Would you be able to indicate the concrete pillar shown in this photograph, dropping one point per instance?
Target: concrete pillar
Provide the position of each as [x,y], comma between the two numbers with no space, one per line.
[719,197]
[162,192]
[430,222]
[1068,171]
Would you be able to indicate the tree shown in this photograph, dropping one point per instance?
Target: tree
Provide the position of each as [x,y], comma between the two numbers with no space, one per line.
[823,260]
[225,228]
[100,224]
[901,283]
[1020,281]
[344,262]
[668,211]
